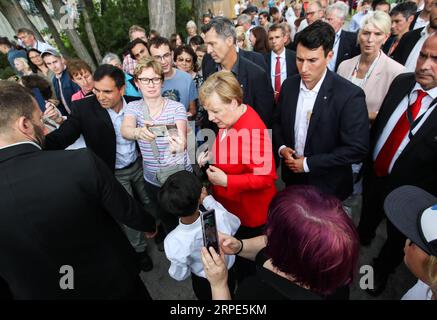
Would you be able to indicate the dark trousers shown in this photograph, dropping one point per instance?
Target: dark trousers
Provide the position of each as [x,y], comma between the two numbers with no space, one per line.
[375,190]
[202,288]
[245,267]
[168,221]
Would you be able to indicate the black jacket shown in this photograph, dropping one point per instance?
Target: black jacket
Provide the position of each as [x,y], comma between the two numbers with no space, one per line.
[416,164]
[63,208]
[338,133]
[91,120]
[406,45]
[257,91]
[290,60]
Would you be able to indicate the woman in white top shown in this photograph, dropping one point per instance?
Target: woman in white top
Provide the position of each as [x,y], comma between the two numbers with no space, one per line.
[372,70]
[22,66]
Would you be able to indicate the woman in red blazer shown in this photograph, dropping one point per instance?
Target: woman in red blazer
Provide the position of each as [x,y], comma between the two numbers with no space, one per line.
[243,173]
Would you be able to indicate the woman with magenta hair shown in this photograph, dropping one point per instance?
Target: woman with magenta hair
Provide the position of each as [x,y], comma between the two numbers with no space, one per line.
[310,251]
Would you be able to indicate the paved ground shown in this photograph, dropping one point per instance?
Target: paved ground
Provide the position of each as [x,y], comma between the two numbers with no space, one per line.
[162,287]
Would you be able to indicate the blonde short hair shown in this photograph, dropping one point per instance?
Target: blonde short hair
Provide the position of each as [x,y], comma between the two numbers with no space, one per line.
[191,24]
[224,84]
[241,36]
[379,19]
[146,63]
[432,274]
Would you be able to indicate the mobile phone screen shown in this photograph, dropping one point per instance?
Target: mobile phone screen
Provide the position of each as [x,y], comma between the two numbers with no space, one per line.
[209,229]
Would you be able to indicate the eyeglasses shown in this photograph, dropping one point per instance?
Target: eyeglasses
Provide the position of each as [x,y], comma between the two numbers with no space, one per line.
[147,81]
[163,57]
[187,60]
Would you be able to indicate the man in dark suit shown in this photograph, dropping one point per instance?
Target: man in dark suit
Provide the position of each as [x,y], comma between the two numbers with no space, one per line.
[345,43]
[403,152]
[98,118]
[321,125]
[281,62]
[409,46]
[59,214]
[254,57]
[220,38]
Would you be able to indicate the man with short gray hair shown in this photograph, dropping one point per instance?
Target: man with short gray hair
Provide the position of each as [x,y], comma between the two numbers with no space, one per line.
[345,43]
[220,38]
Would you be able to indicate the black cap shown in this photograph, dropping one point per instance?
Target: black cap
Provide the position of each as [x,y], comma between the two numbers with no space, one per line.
[414,212]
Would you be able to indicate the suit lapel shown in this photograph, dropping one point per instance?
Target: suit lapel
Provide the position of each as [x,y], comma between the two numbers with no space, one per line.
[320,105]
[423,131]
[293,106]
[390,106]
[102,113]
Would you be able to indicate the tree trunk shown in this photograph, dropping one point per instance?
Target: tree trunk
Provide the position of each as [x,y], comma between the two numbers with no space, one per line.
[42,10]
[17,18]
[162,15]
[72,34]
[89,5]
[91,36]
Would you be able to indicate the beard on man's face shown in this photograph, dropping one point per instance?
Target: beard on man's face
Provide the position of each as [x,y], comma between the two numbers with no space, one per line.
[39,136]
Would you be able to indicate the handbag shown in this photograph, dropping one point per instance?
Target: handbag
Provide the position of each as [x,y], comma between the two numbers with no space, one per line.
[162,173]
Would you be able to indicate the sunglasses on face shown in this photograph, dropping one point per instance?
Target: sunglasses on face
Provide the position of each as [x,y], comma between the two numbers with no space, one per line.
[187,60]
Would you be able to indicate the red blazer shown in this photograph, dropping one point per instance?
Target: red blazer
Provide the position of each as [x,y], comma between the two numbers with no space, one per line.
[245,155]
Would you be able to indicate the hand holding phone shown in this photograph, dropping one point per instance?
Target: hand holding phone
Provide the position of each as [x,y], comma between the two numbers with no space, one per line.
[209,229]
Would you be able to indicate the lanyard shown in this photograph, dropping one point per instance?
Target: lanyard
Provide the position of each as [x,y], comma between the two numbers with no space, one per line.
[369,72]
[414,123]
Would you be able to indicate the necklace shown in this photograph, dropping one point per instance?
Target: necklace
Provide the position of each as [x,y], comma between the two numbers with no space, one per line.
[158,110]
[368,73]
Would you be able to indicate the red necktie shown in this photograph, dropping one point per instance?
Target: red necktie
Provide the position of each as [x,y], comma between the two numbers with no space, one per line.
[277,77]
[394,140]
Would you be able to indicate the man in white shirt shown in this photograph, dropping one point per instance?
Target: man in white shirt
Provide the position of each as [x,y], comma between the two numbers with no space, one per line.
[317,133]
[281,62]
[422,17]
[28,39]
[409,47]
[345,43]
[403,152]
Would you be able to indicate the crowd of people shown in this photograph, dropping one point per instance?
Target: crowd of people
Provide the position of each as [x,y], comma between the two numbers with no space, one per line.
[177,127]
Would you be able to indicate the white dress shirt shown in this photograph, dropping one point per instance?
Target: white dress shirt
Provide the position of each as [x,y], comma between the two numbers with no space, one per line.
[304,109]
[283,67]
[125,151]
[420,23]
[331,64]
[410,65]
[182,245]
[432,94]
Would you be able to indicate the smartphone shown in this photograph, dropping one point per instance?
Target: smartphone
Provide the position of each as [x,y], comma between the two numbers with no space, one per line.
[172,130]
[39,98]
[209,230]
[158,130]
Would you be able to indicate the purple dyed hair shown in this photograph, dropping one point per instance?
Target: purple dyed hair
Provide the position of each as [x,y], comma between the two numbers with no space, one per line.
[310,237]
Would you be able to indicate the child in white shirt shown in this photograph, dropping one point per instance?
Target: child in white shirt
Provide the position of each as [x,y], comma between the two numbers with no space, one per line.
[182,195]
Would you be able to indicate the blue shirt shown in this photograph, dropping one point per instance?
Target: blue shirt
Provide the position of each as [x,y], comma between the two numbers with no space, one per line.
[125,151]
[180,88]
[131,91]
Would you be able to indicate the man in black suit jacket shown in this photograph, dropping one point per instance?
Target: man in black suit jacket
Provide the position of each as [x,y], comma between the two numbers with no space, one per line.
[321,124]
[411,161]
[345,43]
[407,51]
[93,118]
[220,38]
[255,57]
[287,58]
[60,237]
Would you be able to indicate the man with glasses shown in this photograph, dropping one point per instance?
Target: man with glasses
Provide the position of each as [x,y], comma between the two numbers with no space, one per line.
[313,13]
[98,118]
[28,40]
[178,85]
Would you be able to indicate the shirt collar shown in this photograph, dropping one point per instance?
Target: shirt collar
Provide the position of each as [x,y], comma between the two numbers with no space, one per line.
[337,35]
[23,142]
[282,55]
[431,92]
[316,88]
[121,110]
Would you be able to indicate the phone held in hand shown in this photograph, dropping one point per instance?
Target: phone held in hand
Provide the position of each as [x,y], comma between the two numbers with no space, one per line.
[209,230]
[158,130]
